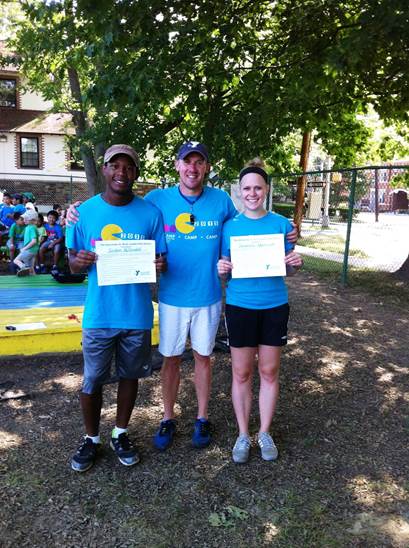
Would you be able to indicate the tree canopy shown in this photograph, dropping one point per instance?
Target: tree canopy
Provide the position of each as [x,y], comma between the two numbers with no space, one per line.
[246,77]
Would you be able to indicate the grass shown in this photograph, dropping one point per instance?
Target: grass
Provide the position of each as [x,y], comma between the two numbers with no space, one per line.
[382,285]
[333,243]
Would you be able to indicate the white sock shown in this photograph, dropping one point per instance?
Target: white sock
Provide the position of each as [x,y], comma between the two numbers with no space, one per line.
[116,432]
[95,439]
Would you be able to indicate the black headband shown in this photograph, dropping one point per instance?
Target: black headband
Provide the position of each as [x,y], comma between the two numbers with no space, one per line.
[253,169]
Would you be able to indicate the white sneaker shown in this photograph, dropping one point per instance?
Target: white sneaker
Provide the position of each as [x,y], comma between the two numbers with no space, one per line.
[268,448]
[241,449]
[25,271]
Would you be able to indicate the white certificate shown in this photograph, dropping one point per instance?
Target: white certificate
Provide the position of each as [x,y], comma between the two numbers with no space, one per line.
[257,256]
[125,262]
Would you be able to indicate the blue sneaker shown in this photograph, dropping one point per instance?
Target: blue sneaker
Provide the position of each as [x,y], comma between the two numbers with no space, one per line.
[164,436]
[201,434]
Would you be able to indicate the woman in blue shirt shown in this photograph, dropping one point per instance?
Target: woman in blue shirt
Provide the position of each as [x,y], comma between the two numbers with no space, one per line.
[256,314]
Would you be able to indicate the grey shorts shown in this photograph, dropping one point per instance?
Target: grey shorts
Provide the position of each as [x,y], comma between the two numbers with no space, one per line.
[132,348]
[26,257]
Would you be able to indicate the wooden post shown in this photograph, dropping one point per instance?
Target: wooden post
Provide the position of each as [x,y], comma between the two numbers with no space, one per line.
[302,181]
[376,195]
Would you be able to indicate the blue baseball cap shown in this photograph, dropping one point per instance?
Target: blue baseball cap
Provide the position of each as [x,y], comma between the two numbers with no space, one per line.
[192,146]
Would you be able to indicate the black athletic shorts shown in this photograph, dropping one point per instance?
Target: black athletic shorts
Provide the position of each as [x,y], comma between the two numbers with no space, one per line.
[250,327]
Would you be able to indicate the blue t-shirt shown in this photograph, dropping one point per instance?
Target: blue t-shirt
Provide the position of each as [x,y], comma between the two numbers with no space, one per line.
[256,293]
[126,306]
[5,211]
[19,208]
[193,247]
[54,232]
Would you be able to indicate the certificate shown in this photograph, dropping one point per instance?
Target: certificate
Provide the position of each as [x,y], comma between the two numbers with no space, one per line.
[125,262]
[257,256]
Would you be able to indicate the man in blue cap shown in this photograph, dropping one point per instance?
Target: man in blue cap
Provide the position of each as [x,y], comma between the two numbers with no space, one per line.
[189,291]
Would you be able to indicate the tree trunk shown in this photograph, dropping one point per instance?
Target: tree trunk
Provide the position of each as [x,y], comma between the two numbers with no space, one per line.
[302,181]
[81,125]
[403,271]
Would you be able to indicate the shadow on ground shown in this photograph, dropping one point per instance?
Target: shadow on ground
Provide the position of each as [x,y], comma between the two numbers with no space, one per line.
[342,429]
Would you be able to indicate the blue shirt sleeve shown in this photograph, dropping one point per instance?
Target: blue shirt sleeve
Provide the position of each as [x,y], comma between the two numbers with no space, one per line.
[73,237]
[225,242]
[288,228]
[158,233]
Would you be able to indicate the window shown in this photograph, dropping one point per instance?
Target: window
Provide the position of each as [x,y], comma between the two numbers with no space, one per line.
[29,152]
[8,92]
[75,165]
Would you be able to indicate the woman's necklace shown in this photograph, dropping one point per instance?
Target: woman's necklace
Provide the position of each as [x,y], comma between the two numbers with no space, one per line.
[191,202]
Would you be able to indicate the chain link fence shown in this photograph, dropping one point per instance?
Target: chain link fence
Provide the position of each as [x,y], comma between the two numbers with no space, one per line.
[353,219]
[48,189]
[56,189]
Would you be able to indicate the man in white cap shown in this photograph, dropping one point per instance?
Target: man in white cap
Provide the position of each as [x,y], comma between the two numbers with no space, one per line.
[117,318]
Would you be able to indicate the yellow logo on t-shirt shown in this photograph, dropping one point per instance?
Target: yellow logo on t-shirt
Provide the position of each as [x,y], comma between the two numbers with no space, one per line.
[111,232]
[183,223]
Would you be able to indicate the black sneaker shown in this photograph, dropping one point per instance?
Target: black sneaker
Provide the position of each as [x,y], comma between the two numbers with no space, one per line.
[85,456]
[125,451]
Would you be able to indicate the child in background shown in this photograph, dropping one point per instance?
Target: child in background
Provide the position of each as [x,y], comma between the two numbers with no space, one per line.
[29,200]
[16,238]
[17,201]
[42,233]
[53,242]
[6,215]
[58,209]
[63,220]
[25,259]
[42,236]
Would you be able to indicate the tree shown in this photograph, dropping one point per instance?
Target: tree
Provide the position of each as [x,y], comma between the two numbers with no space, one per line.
[242,76]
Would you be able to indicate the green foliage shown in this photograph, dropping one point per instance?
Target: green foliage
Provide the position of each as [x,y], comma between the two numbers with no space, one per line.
[228,517]
[401,180]
[287,210]
[248,78]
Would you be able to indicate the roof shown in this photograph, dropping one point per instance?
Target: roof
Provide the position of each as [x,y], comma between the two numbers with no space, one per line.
[35,121]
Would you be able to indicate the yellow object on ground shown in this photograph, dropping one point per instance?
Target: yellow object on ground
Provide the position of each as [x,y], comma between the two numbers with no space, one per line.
[62,332]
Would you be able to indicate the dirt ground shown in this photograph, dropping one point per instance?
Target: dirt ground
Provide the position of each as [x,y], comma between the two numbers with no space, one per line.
[342,429]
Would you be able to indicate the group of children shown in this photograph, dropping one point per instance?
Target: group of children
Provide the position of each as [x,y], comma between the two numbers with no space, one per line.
[29,238]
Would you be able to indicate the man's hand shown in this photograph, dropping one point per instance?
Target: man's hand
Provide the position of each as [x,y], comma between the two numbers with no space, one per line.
[161,264]
[224,267]
[293,262]
[292,236]
[79,262]
[72,213]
